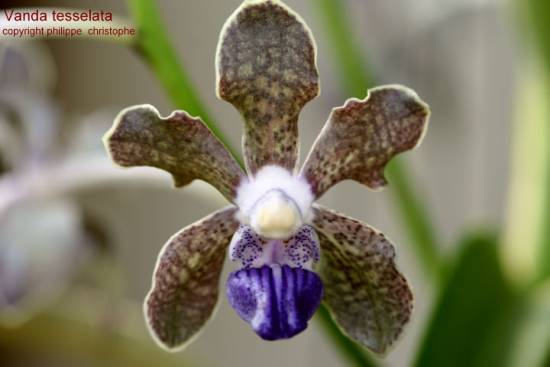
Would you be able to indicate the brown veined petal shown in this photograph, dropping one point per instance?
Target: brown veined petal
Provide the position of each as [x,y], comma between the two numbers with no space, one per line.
[186,279]
[367,296]
[362,136]
[266,67]
[179,144]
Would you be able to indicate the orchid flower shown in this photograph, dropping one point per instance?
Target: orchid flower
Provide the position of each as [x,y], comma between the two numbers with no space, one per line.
[292,252]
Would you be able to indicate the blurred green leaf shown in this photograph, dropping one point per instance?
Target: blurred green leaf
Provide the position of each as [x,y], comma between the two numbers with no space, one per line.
[539,14]
[353,68]
[547,360]
[539,18]
[356,77]
[527,241]
[475,319]
[533,338]
[89,329]
[155,48]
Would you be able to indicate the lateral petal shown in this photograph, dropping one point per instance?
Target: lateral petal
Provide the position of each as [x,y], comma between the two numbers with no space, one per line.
[362,136]
[179,144]
[367,296]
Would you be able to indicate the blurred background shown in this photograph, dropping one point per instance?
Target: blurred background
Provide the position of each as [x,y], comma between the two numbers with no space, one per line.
[79,238]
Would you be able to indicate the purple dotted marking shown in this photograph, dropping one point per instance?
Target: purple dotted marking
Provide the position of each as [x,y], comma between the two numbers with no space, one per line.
[303,247]
[246,246]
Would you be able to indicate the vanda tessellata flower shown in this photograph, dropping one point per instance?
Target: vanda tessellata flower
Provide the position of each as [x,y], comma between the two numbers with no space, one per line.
[292,252]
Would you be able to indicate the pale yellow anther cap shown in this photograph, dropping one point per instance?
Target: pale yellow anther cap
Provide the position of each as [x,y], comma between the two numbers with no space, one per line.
[276,219]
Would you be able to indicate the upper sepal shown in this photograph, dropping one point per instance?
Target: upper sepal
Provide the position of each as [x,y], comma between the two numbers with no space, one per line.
[266,67]
[179,144]
[362,136]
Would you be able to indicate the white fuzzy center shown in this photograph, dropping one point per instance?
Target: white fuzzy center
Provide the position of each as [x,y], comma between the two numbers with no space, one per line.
[274,202]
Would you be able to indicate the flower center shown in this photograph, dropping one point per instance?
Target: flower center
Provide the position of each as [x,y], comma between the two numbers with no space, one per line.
[275,216]
[274,203]
[275,291]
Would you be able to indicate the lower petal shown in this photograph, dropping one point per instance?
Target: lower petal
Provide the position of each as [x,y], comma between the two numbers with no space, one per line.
[277,301]
[368,297]
[186,279]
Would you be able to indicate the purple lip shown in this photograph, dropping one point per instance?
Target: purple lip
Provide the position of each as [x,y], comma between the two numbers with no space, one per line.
[277,301]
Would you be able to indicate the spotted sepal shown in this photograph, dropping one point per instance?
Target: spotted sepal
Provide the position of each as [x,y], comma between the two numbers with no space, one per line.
[266,67]
[186,279]
[362,136]
[367,296]
[179,144]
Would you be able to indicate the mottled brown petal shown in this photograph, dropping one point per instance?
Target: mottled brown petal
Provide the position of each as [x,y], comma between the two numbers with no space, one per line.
[179,144]
[361,137]
[367,296]
[186,279]
[266,67]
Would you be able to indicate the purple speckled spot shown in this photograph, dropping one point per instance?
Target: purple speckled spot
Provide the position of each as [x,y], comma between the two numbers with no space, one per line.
[246,246]
[253,251]
[277,301]
[303,247]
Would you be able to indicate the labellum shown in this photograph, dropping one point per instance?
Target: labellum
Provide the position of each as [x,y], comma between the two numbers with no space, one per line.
[275,291]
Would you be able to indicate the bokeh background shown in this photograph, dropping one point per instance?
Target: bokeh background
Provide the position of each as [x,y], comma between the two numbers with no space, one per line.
[79,238]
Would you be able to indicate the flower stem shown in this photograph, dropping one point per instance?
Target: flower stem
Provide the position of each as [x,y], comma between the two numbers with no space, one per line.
[155,48]
[415,218]
[357,79]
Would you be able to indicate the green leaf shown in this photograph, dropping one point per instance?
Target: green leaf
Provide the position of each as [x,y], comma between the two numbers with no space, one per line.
[527,239]
[526,246]
[77,330]
[353,68]
[533,338]
[475,319]
[539,12]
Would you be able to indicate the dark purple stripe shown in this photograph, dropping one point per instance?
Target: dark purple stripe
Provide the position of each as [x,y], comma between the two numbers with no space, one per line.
[299,294]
